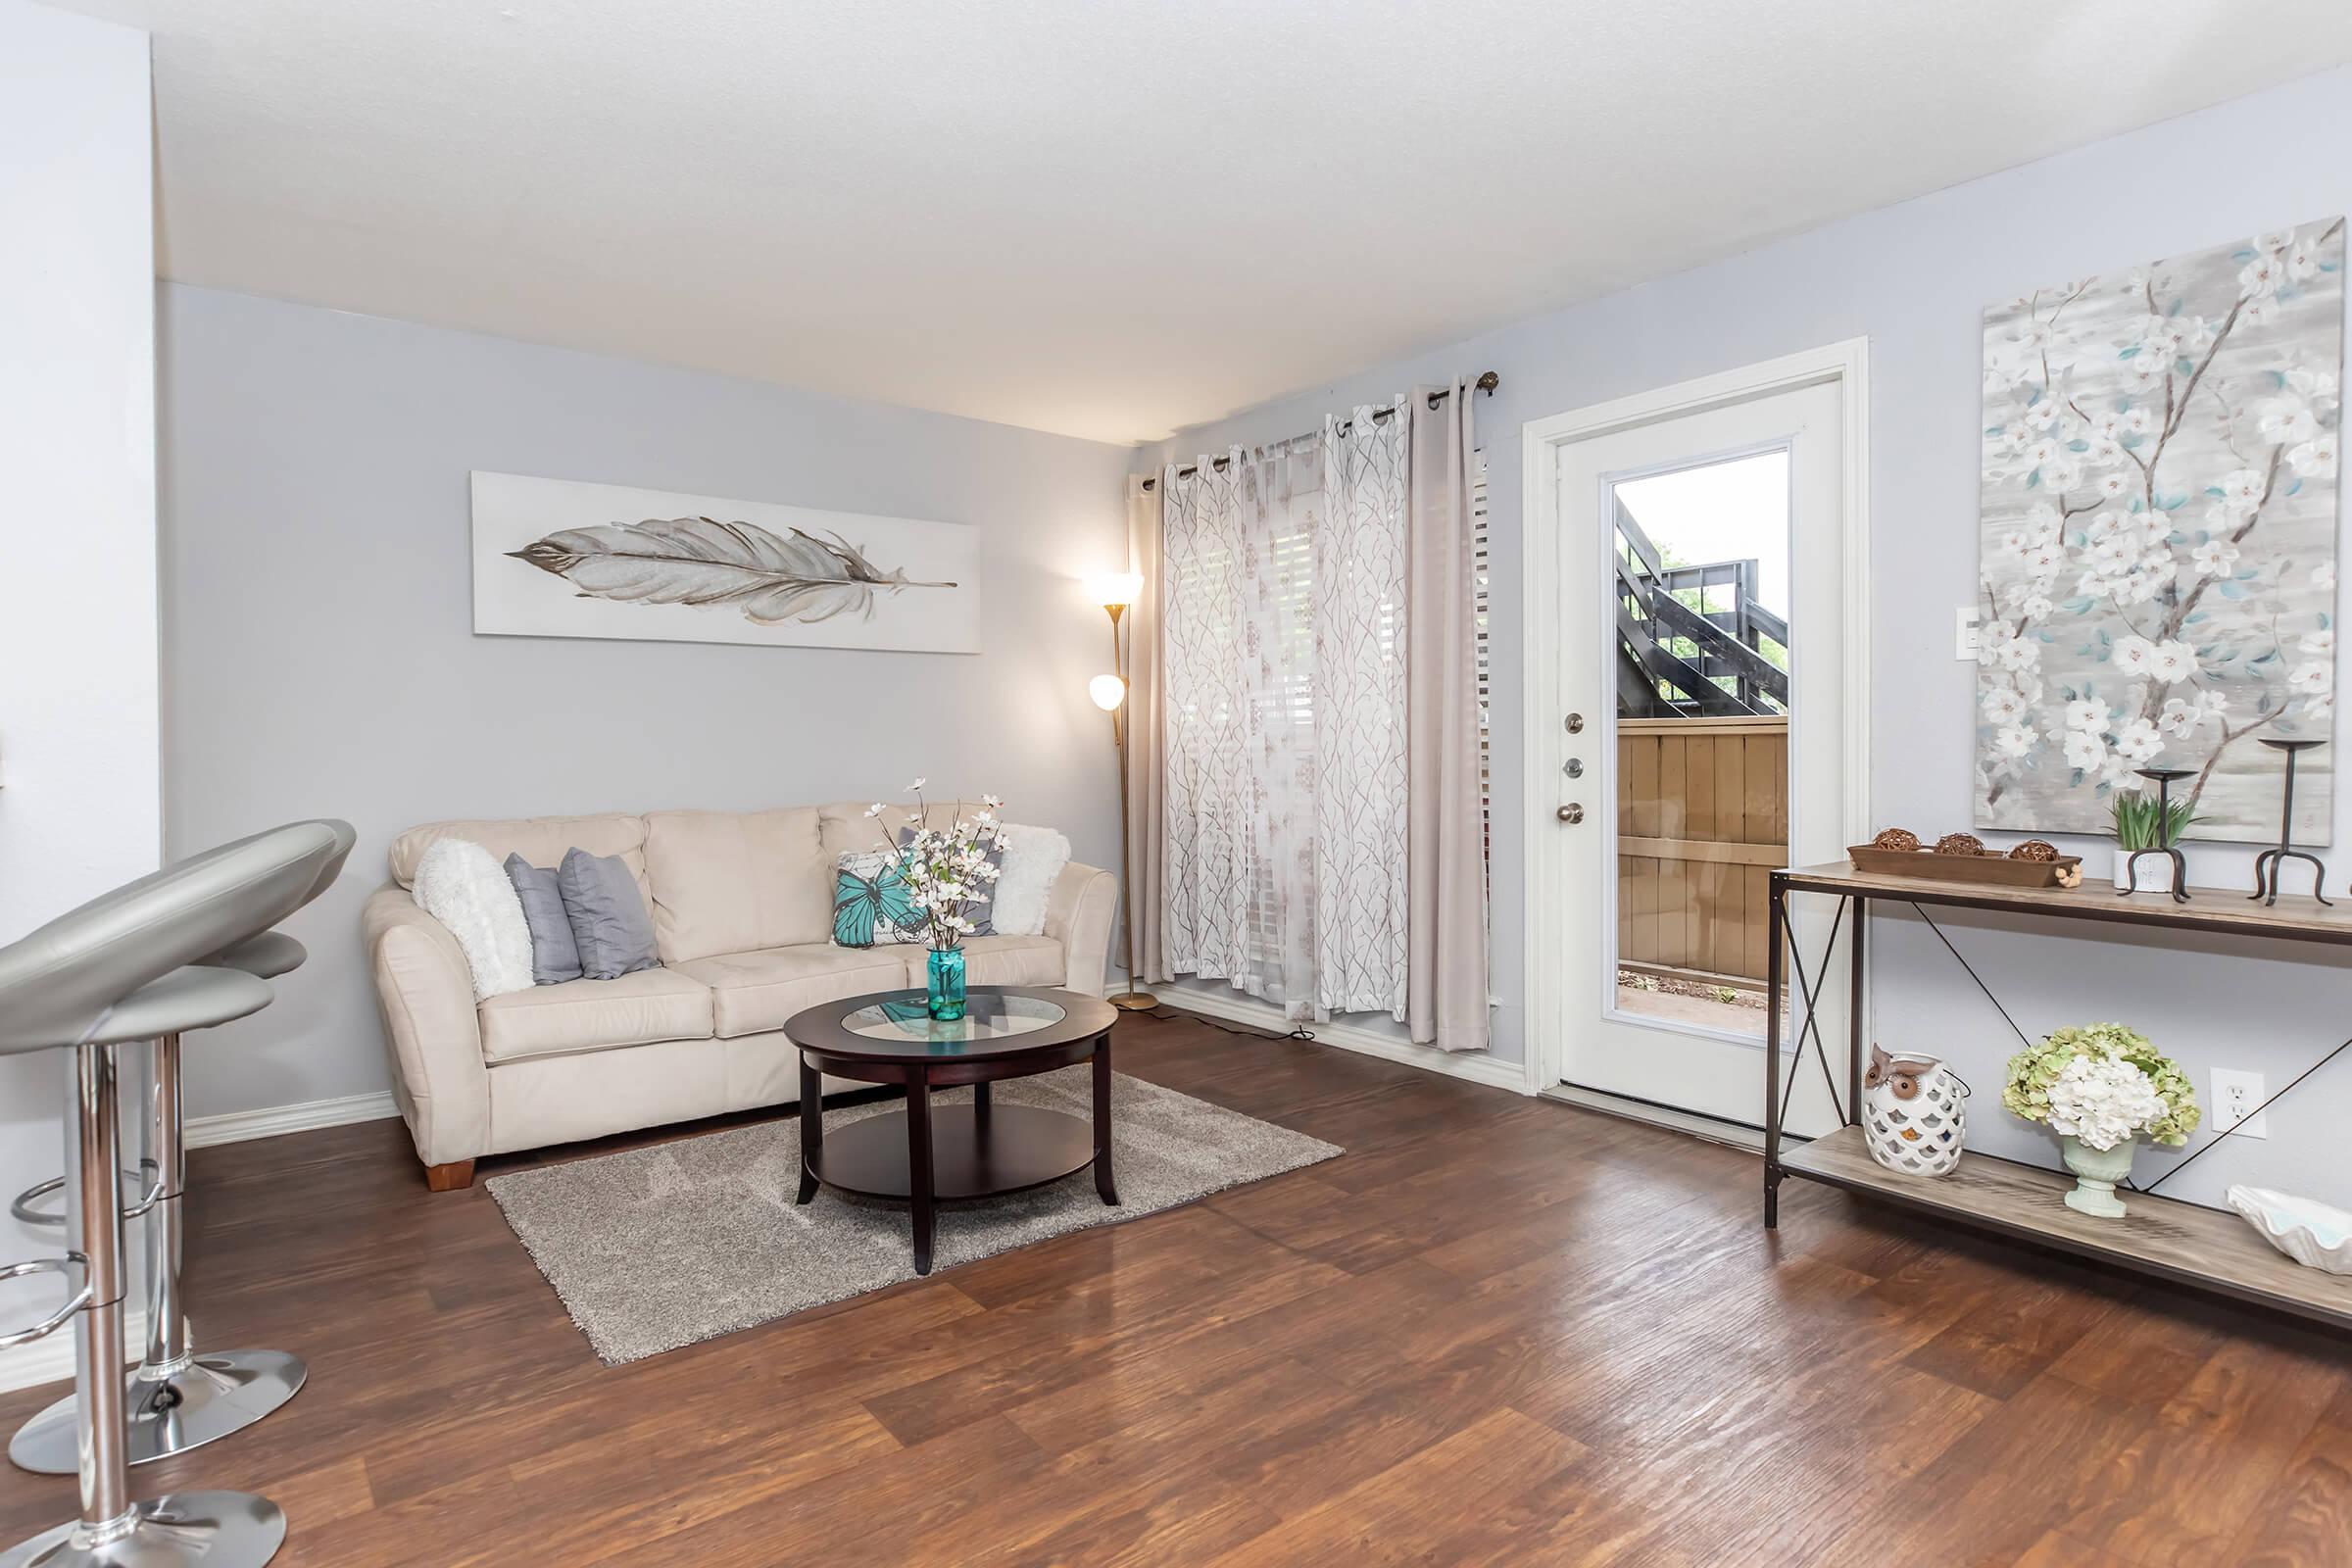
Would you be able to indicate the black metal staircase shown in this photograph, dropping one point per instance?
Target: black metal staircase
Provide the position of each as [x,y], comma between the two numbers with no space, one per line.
[1675,661]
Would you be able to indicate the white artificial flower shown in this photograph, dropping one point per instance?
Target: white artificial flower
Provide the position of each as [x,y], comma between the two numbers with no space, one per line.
[2014,740]
[2311,677]
[2001,704]
[2085,749]
[917,785]
[2135,656]
[2085,713]
[2315,458]
[2105,1101]
[2261,276]
[2215,558]
[874,810]
[2180,718]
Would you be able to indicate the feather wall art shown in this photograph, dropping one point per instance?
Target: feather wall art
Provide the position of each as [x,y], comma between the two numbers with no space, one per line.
[558,558]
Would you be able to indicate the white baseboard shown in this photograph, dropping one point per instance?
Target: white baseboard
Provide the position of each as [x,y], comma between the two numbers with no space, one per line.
[237,1126]
[1475,1066]
[51,1360]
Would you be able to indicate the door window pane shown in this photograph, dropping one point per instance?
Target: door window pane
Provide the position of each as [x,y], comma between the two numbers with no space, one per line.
[1699,595]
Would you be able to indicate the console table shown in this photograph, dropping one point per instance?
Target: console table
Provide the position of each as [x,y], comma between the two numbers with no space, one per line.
[2185,1243]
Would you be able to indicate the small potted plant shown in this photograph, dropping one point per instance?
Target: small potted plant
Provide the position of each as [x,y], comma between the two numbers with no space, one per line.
[2101,1087]
[2142,823]
[948,873]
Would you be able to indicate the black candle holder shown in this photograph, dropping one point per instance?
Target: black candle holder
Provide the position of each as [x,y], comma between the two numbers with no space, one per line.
[2163,777]
[2268,863]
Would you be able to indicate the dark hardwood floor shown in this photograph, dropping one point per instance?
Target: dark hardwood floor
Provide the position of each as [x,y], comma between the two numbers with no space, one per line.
[1498,1330]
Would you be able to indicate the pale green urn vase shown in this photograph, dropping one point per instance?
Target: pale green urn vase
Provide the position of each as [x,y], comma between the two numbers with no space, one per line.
[2096,1171]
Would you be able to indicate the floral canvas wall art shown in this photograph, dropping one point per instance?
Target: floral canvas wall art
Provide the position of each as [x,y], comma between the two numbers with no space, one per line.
[2157,537]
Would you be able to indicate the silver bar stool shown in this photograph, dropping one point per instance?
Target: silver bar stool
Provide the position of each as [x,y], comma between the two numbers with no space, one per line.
[111,971]
[177,1399]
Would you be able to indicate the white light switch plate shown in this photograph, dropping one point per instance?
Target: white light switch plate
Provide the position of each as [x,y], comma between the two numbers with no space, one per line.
[1964,645]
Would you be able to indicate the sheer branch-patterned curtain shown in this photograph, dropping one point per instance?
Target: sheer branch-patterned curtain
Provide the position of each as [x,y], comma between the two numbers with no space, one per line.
[1284,773]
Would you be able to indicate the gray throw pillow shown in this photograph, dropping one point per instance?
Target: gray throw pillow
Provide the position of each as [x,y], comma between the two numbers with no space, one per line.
[555,953]
[609,921]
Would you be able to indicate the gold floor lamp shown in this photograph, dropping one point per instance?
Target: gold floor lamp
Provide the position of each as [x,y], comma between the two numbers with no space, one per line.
[1109,692]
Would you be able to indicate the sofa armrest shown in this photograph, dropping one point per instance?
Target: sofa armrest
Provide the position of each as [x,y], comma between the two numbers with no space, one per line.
[1080,910]
[424,994]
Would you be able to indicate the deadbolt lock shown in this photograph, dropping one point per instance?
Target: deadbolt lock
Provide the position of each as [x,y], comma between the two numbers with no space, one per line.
[1576,767]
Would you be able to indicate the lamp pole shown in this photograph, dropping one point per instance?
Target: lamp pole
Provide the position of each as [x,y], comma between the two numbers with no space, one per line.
[1133,999]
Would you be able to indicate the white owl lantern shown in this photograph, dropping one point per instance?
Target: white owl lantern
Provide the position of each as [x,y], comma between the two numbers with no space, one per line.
[1914,1113]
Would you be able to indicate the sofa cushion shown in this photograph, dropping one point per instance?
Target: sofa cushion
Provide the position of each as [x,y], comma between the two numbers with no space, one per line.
[540,840]
[1011,962]
[845,826]
[756,991]
[595,1015]
[736,881]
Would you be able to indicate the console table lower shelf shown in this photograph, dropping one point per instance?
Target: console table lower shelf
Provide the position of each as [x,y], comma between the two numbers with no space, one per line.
[2184,1243]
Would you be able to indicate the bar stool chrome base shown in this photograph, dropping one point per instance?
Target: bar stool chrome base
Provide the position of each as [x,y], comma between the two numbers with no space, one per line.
[186,1530]
[215,1395]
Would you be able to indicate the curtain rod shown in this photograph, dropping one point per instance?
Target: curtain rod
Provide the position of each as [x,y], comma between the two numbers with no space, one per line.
[1486,384]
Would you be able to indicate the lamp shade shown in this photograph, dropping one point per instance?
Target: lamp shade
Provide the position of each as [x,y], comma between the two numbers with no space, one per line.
[1108,691]
[1116,588]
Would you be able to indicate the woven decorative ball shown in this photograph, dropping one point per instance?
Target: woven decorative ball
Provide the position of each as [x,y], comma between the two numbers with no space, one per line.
[1896,838]
[2039,850]
[1959,844]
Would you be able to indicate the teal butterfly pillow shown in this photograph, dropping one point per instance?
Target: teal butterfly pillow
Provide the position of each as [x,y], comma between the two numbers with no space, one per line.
[871,905]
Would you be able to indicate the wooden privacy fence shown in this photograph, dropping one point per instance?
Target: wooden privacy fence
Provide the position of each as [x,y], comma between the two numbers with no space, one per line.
[1703,820]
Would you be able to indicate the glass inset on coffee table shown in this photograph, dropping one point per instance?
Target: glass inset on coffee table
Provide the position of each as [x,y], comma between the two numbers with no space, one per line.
[926,1153]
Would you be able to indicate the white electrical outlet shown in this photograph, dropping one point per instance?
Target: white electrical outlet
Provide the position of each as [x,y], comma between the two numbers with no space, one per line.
[1964,645]
[2234,1096]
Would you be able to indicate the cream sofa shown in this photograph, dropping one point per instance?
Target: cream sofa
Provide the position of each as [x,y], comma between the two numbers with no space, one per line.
[742,909]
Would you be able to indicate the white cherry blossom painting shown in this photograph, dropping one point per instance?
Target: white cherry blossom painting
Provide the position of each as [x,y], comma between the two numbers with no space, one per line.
[2157,546]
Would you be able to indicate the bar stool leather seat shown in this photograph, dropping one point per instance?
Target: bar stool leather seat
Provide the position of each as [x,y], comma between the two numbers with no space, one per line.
[119,970]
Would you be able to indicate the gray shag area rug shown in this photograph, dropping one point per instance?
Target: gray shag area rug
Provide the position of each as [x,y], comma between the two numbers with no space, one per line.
[662,1246]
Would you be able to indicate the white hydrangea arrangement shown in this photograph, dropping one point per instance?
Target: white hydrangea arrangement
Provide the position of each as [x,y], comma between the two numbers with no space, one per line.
[2105,1101]
[947,871]
[2103,1084]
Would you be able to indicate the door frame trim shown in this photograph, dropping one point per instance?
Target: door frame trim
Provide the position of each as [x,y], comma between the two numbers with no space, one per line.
[1846,364]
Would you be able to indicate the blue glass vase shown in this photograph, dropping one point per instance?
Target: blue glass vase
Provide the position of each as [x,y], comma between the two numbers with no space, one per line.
[946,994]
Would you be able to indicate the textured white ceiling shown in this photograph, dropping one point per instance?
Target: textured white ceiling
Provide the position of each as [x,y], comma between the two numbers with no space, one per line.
[1109,218]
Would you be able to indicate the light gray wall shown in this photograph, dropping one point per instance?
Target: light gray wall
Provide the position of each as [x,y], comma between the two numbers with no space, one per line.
[320,658]
[79,741]
[1914,278]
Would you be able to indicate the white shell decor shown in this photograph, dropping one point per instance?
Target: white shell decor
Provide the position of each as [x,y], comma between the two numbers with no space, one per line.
[2311,1232]
[1914,1113]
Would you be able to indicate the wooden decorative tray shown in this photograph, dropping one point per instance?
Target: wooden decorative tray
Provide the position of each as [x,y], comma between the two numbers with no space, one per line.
[1994,870]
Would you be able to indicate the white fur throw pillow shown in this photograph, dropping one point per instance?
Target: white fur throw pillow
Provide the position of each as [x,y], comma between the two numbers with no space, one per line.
[461,886]
[1033,859]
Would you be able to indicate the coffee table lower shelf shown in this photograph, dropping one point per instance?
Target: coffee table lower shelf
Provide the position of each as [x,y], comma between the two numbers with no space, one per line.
[2182,1242]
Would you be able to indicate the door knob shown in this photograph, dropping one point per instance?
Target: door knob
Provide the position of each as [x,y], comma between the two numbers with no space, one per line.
[1571,813]
[1575,723]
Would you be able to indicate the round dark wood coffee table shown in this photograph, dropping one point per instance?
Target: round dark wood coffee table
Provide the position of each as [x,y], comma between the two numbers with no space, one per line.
[960,1150]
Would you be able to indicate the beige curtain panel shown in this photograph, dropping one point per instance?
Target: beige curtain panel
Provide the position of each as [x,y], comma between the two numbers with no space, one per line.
[1305,724]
